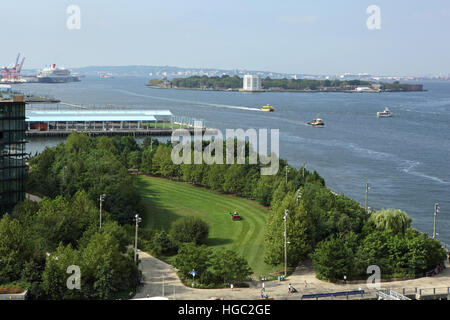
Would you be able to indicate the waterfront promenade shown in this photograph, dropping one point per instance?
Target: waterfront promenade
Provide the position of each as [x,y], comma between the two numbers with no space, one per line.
[160,279]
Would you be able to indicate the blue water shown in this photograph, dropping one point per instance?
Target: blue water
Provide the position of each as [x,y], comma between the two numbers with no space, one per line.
[404,158]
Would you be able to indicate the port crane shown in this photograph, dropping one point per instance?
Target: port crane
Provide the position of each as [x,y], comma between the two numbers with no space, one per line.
[12,74]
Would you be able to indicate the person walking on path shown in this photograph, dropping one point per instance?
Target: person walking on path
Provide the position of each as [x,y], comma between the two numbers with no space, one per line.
[232,286]
[263,287]
[289,288]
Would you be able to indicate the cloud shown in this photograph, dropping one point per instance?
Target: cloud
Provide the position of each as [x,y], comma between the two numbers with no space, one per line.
[298,19]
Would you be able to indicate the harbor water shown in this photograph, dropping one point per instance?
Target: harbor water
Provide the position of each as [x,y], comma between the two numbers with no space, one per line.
[405,158]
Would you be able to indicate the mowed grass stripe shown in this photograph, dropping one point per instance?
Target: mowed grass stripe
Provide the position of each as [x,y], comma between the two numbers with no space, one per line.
[250,229]
[220,205]
[166,201]
[227,200]
[246,227]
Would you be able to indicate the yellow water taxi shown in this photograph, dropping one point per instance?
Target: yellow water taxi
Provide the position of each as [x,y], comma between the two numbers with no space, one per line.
[268,108]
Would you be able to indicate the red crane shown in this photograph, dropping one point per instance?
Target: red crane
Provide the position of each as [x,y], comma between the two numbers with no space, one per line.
[12,74]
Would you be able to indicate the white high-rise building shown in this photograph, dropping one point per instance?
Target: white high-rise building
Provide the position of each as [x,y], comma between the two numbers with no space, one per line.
[252,83]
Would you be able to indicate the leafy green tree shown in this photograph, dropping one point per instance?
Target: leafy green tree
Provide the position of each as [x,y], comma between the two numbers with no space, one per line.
[134,159]
[163,243]
[105,270]
[395,221]
[228,267]
[234,179]
[14,249]
[333,258]
[300,232]
[191,257]
[190,229]
[55,276]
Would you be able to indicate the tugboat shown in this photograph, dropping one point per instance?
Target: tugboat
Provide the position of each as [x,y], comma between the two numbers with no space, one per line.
[317,123]
[267,108]
[384,114]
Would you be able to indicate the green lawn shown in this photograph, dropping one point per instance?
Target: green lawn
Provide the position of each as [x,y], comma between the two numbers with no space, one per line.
[167,201]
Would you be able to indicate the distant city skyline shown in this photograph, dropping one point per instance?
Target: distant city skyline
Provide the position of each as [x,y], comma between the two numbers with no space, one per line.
[317,38]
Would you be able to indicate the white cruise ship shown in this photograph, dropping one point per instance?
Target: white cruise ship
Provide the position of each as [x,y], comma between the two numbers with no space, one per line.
[56,75]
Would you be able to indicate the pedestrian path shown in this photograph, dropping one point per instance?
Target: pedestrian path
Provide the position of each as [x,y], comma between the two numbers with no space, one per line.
[160,279]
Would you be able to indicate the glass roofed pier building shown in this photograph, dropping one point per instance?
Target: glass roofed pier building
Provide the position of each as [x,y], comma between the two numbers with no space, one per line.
[96,121]
[12,153]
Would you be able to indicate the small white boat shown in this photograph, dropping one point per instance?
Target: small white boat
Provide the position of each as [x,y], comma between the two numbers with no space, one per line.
[316,123]
[384,114]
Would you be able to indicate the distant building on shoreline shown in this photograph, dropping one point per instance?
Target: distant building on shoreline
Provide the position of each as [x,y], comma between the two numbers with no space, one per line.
[252,83]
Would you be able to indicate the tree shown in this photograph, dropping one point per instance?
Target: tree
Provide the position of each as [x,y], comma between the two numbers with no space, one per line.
[300,232]
[228,267]
[163,243]
[54,277]
[234,179]
[333,258]
[14,251]
[391,220]
[190,229]
[191,257]
[105,269]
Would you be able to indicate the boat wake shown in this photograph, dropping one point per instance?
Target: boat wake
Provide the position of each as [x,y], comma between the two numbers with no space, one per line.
[410,165]
[406,166]
[203,104]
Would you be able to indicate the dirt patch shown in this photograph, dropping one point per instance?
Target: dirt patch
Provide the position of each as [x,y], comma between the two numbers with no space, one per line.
[10,290]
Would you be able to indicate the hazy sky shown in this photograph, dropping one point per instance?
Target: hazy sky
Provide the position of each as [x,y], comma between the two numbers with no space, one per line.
[316,36]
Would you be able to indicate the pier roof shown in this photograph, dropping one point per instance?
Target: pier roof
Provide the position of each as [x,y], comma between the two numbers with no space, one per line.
[94,115]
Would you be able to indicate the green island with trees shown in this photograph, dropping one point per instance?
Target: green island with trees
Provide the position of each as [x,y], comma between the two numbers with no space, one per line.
[227,82]
[38,241]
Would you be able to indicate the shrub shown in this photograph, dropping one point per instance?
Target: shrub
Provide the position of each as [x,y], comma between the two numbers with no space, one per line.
[190,229]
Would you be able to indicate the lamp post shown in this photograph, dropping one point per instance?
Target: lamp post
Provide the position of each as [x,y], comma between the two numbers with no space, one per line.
[193,273]
[138,220]
[101,199]
[287,170]
[436,211]
[286,212]
[367,197]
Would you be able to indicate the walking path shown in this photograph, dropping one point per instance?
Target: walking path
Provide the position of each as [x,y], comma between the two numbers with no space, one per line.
[158,273]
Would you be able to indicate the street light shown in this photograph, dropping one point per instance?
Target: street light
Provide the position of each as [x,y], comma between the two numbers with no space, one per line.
[287,170]
[286,212]
[367,197]
[101,199]
[193,273]
[138,220]
[436,211]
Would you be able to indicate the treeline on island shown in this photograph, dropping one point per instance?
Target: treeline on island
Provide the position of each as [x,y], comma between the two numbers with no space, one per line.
[39,241]
[235,82]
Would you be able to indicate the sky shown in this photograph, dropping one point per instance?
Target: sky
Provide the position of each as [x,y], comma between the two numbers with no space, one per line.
[292,36]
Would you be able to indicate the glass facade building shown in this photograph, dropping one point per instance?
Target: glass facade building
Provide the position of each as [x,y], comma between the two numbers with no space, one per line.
[12,153]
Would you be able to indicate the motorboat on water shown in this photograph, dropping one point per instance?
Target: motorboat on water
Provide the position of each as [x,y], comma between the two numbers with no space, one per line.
[316,123]
[267,108]
[384,114]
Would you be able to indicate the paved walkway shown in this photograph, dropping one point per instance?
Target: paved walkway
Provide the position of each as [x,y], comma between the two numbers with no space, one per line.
[156,273]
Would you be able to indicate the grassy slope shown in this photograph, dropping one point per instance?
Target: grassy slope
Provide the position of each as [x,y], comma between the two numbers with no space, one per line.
[166,201]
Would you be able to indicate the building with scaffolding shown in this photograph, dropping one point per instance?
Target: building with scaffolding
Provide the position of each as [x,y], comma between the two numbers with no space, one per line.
[12,153]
